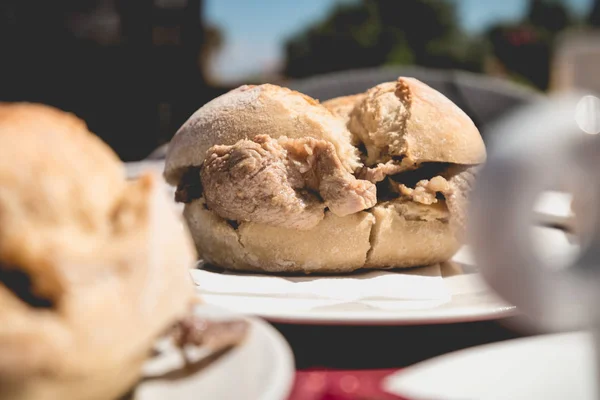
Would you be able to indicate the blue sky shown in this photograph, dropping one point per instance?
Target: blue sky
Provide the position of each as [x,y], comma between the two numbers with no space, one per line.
[254,31]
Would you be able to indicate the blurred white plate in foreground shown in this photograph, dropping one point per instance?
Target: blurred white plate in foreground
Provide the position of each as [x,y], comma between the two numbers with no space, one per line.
[549,367]
[261,367]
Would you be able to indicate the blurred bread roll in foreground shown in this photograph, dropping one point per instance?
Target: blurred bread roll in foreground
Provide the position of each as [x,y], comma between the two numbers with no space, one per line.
[93,268]
[273,181]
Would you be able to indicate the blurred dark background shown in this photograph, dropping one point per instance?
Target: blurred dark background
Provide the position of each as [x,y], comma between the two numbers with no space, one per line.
[134,70]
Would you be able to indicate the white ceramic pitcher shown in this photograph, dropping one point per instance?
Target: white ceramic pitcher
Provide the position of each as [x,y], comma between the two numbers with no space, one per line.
[549,145]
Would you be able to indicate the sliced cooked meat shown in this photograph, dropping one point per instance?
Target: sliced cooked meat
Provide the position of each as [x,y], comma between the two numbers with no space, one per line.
[423,171]
[461,180]
[453,185]
[198,331]
[255,181]
[425,192]
[323,172]
[381,171]
[284,182]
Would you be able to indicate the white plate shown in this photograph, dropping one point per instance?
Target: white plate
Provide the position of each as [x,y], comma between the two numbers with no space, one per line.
[470,300]
[550,367]
[262,368]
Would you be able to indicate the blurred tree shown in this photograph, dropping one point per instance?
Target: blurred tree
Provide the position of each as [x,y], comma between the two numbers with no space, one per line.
[132,69]
[346,39]
[594,17]
[523,52]
[212,44]
[551,15]
[376,32]
[524,49]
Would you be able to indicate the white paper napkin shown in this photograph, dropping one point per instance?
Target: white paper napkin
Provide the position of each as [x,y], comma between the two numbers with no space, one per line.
[136,168]
[417,288]
[418,284]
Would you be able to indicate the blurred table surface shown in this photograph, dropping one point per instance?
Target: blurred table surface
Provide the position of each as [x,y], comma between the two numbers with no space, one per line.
[349,362]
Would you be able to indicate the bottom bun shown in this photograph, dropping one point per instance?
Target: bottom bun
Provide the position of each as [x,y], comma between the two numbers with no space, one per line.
[408,234]
[394,234]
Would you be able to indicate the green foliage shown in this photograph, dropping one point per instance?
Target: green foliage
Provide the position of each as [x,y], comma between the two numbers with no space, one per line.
[376,32]
[549,15]
[427,33]
[345,39]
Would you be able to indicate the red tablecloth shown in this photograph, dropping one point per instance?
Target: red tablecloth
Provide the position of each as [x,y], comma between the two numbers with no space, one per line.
[341,385]
[349,362]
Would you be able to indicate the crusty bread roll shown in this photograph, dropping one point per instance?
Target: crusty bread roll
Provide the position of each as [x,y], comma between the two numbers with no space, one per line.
[93,268]
[267,188]
[336,245]
[410,119]
[254,110]
[343,106]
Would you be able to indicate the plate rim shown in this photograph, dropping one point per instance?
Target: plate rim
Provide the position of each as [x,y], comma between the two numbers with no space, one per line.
[280,387]
[282,369]
[380,318]
[393,382]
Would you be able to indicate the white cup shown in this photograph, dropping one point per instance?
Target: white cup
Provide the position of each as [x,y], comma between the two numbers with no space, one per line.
[539,148]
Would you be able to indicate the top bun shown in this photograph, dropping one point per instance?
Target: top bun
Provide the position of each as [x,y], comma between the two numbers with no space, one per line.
[248,111]
[343,106]
[411,120]
[93,268]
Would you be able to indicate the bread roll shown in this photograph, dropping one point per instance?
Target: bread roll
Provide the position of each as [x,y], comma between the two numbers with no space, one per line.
[336,245]
[93,268]
[343,106]
[265,192]
[409,119]
[251,110]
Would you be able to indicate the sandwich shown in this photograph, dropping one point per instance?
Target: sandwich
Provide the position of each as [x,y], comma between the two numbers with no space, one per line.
[93,268]
[274,181]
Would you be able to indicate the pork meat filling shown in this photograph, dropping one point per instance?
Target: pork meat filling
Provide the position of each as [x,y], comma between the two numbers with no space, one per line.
[381,171]
[283,182]
[426,191]
[290,182]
